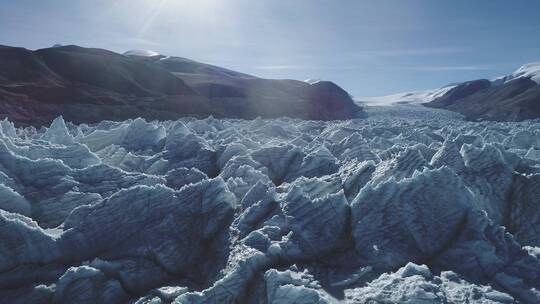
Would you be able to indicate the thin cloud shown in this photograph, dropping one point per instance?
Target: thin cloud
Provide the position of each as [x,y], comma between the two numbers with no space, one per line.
[282,67]
[446,68]
[301,67]
[426,68]
[415,52]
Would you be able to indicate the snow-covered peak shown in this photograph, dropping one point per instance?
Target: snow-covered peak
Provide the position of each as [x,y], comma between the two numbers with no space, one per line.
[529,70]
[142,53]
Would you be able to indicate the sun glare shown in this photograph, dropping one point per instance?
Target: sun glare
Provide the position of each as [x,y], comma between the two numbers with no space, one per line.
[200,11]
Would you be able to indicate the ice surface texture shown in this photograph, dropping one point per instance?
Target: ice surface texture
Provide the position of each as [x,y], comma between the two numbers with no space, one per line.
[411,205]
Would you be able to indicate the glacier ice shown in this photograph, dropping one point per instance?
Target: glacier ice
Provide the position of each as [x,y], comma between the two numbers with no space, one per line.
[411,205]
[416,284]
[411,212]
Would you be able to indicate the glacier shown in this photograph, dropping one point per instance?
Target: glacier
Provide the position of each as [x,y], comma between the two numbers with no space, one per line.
[409,205]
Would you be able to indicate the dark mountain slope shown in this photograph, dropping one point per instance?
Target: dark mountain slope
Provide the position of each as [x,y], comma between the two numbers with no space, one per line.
[90,85]
[507,99]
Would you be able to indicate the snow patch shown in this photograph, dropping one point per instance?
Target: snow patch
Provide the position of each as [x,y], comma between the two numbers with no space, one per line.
[415,97]
[142,53]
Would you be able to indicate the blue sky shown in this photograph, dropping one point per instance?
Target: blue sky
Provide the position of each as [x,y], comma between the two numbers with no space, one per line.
[368,47]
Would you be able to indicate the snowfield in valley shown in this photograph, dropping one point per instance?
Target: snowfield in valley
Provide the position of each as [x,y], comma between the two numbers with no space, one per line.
[411,205]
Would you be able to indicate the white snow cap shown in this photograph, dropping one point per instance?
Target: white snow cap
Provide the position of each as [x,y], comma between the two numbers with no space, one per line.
[529,70]
[143,53]
[312,80]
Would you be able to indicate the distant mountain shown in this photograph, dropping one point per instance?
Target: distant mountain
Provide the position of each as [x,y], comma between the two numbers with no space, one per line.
[88,85]
[514,97]
[413,97]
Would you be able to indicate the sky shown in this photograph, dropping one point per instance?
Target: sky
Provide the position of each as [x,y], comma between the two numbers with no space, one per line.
[369,48]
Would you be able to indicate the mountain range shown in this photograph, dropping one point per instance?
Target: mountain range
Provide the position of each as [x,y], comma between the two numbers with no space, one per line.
[513,97]
[88,85]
